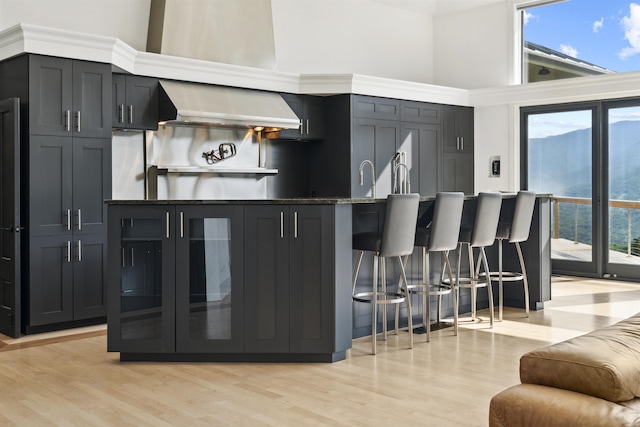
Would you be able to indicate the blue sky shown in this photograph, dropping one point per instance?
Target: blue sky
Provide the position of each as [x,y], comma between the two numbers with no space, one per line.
[603,32]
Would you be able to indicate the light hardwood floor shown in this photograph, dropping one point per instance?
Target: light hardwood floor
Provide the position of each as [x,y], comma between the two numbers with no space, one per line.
[70,380]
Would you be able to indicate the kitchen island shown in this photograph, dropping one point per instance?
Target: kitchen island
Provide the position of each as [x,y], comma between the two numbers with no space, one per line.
[252,280]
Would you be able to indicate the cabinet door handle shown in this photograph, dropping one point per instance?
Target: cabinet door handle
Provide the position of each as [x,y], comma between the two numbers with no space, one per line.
[78,121]
[79,219]
[121,113]
[181,224]
[132,263]
[130,113]
[462,143]
[167,221]
[295,225]
[67,120]
[80,250]
[307,126]
[68,219]
[123,258]
[68,250]
[282,225]
[301,127]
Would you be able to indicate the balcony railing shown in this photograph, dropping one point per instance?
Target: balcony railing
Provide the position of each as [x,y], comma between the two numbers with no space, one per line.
[628,205]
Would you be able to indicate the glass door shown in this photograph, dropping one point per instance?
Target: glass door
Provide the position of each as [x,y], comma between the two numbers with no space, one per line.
[622,251]
[560,159]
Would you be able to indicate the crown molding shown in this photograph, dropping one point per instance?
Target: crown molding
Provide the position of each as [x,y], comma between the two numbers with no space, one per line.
[27,38]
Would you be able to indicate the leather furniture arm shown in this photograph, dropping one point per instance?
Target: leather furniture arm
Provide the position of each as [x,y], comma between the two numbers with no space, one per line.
[538,405]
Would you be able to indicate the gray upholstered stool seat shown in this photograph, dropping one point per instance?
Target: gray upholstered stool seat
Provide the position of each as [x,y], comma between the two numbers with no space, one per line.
[480,235]
[396,241]
[440,236]
[515,231]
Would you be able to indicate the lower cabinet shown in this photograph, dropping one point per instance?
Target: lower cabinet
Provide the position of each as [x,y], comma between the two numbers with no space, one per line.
[228,282]
[67,279]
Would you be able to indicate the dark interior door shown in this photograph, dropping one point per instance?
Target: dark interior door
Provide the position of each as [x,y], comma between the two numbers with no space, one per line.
[10,217]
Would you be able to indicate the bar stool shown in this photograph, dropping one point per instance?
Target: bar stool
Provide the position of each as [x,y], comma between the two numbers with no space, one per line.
[439,236]
[395,240]
[515,231]
[481,235]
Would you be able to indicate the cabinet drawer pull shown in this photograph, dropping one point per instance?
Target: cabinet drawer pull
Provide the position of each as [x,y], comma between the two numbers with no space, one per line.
[78,121]
[67,120]
[80,250]
[282,225]
[167,221]
[130,113]
[295,225]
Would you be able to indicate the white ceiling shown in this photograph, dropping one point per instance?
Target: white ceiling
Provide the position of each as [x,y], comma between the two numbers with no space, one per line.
[438,7]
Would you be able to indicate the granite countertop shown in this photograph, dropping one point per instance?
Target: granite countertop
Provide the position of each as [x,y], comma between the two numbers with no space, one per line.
[284,201]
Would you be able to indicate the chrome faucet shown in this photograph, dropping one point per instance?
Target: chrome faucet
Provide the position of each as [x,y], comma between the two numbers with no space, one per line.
[373,176]
[404,186]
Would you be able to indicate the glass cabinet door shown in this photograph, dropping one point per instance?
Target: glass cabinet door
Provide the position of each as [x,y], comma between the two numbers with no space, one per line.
[141,298]
[209,279]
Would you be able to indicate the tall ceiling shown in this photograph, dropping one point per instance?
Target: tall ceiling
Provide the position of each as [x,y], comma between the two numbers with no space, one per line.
[438,7]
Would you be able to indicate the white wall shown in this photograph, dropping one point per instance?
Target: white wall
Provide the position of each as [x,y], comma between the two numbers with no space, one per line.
[473,49]
[127,20]
[352,37]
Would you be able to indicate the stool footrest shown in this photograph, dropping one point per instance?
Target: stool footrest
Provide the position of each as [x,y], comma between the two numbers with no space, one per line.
[421,289]
[507,276]
[382,297]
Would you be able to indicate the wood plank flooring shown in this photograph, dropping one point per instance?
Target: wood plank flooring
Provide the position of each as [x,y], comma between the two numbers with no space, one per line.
[69,379]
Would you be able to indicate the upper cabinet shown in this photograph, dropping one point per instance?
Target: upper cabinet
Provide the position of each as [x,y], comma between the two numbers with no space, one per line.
[69,97]
[420,112]
[457,129]
[310,111]
[134,102]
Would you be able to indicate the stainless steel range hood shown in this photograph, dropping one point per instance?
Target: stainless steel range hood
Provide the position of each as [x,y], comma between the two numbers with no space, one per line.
[194,104]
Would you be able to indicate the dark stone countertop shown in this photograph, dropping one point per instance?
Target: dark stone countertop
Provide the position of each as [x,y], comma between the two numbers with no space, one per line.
[284,201]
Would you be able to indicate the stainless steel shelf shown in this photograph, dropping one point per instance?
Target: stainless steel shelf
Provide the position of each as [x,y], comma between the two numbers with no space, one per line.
[213,169]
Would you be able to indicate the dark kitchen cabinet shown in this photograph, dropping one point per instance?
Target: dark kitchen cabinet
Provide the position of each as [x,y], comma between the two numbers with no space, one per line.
[457,172]
[457,160]
[66,170]
[420,112]
[229,282]
[310,111]
[142,279]
[422,142]
[69,97]
[377,141]
[210,294]
[290,271]
[134,102]
[177,285]
[457,129]
[69,181]
[67,226]
[67,279]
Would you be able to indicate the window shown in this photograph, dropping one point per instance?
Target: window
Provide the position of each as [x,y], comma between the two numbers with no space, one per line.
[575,38]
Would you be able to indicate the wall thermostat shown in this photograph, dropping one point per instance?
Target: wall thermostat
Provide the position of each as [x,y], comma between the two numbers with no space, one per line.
[495,166]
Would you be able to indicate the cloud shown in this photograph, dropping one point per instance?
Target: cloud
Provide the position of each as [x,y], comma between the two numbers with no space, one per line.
[526,17]
[597,25]
[631,26]
[568,50]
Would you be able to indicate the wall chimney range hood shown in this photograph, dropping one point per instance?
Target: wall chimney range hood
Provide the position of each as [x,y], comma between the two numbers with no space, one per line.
[194,104]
